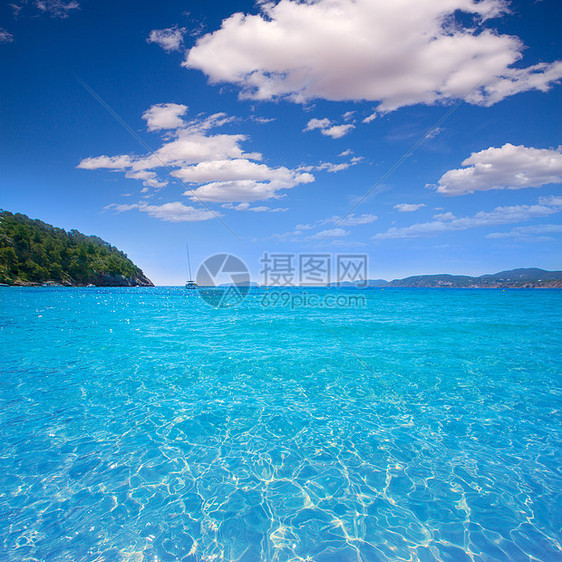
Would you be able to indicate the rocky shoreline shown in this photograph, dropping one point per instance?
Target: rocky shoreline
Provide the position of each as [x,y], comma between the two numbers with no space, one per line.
[100,281]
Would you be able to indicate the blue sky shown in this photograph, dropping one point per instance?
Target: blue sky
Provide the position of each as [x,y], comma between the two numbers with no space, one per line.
[251,128]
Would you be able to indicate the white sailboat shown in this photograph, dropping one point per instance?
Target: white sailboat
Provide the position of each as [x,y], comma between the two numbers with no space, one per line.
[190,284]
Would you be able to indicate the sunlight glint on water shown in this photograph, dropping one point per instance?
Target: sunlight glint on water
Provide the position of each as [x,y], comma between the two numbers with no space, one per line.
[141,424]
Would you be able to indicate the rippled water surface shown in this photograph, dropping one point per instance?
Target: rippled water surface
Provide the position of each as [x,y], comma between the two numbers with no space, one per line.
[141,424]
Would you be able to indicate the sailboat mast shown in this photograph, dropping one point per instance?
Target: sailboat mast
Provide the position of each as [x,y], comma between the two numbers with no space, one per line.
[188,261]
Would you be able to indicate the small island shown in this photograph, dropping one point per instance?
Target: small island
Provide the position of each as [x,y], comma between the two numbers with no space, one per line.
[34,253]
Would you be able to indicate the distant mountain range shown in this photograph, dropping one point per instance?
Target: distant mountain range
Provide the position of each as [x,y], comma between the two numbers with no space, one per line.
[531,277]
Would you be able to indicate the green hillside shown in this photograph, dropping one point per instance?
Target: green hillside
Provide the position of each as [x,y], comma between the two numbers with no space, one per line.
[33,252]
[516,278]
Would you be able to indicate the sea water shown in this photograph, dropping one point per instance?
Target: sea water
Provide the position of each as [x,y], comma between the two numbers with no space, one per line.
[143,424]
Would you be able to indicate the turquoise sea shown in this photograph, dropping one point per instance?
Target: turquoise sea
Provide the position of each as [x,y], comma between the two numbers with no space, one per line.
[142,424]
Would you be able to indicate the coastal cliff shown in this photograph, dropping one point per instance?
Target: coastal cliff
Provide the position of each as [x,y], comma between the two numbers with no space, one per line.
[35,253]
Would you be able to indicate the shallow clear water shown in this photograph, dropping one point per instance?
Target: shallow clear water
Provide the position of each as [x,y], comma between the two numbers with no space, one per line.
[141,424]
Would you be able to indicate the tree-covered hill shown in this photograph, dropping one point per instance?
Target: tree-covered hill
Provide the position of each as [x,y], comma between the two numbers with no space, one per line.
[531,277]
[33,252]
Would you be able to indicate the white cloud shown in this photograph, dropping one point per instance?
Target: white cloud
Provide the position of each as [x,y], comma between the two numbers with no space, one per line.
[246,190]
[434,132]
[193,148]
[337,131]
[331,233]
[170,212]
[233,170]
[170,39]
[529,233]
[333,168]
[336,232]
[148,179]
[444,216]
[500,215]
[214,120]
[215,165]
[57,8]
[165,116]
[508,167]
[408,207]
[259,209]
[552,200]
[370,118]
[5,37]
[239,180]
[351,220]
[339,243]
[327,128]
[186,147]
[330,166]
[318,124]
[347,152]
[369,50]
[327,166]
[16,8]
[111,162]
[262,120]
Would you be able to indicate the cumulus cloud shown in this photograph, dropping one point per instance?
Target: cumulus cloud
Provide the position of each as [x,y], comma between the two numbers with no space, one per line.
[170,39]
[507,167]
[232,170]
[328,129]
[239,180]
[500,215]
[214,165]
[318,124]
[5,37]
[368,50]
[111,162]
[164,116]
[408,207]
[170,212]
[246,190]
[57,8]
[185,148]
[337,131]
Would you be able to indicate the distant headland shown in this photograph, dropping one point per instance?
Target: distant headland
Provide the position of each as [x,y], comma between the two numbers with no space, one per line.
[523,278]
[34,253]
